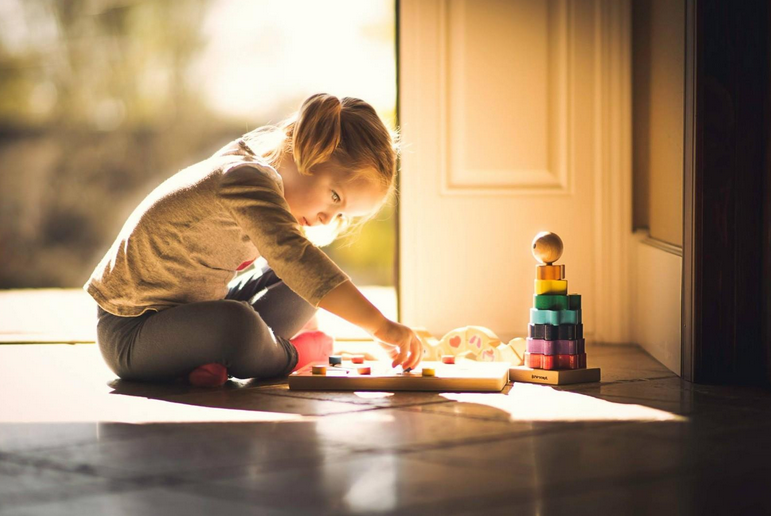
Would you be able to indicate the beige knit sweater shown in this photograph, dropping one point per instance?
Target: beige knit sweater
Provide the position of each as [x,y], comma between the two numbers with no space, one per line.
[186,240]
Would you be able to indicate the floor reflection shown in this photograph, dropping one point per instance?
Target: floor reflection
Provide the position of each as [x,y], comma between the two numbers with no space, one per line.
[374,488]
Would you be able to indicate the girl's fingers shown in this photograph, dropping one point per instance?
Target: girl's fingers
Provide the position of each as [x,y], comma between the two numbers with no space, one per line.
[391,349]
[417,353]
[407,354]
[402,357]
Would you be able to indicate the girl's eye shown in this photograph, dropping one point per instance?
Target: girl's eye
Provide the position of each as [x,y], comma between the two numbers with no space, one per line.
[335,197]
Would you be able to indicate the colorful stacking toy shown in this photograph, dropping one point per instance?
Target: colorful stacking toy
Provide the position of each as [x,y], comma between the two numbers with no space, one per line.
[556,331]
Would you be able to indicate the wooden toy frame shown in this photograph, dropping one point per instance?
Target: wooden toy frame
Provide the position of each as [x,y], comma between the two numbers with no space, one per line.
[463,376]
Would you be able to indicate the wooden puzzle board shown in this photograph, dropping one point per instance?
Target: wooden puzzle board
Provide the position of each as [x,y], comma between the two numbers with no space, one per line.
[463,376]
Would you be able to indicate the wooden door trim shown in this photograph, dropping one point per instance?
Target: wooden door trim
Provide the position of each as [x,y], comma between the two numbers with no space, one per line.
[691,298]
[726,193]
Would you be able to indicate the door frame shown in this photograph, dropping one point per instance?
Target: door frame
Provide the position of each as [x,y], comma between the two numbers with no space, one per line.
[726,307]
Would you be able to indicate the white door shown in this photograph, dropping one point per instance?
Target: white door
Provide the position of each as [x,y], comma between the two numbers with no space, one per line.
[515,120]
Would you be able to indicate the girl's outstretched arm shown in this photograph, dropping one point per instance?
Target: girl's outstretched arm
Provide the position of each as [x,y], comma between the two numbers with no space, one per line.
[348,302]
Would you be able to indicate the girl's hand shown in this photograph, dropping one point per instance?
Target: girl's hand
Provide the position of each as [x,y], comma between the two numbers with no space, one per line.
[394,335]
[347,302]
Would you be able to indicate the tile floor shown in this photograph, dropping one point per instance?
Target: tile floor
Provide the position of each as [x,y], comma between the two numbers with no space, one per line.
[74,440]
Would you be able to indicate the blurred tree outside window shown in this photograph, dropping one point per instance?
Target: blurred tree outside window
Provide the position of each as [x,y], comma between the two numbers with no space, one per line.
[101,100]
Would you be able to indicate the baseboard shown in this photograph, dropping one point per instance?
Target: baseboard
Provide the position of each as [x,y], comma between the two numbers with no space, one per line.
[656,287]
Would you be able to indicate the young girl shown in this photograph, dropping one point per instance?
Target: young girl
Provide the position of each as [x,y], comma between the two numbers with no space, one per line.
[167,305]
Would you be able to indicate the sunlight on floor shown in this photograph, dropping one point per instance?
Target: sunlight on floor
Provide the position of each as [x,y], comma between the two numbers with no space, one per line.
[526,402]
[523,403]
[57,384]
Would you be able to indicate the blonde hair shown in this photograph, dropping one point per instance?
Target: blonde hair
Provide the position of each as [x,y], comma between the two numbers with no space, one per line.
[345,130]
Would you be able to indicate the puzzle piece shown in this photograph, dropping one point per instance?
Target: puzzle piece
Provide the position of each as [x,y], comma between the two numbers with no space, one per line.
[466,355]
[518,346]
[555,317]
[552,332]
[505,353]
[539,361]
[550,302]
[556,347]
[559,287]
[468,338]
[471,343]
[431,348]
[574,302]
[550,272]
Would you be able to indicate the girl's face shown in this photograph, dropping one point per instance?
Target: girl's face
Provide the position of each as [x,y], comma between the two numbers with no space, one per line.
[319,198]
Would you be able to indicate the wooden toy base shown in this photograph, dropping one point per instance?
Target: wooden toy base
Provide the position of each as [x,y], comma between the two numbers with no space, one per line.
[463,376]
[554,377]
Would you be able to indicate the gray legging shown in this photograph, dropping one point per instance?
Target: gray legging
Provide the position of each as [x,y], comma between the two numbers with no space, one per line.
[247,332]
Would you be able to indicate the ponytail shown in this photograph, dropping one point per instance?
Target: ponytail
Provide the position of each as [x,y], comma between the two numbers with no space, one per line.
[317,132]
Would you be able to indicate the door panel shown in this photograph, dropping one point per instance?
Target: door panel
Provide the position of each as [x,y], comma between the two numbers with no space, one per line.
[514,118]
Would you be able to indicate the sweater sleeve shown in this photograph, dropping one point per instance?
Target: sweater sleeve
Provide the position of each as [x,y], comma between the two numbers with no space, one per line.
[255,201]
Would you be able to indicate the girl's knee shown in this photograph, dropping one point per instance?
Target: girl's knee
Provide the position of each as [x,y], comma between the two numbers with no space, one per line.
[235,316]
[239,326]
[247,344]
